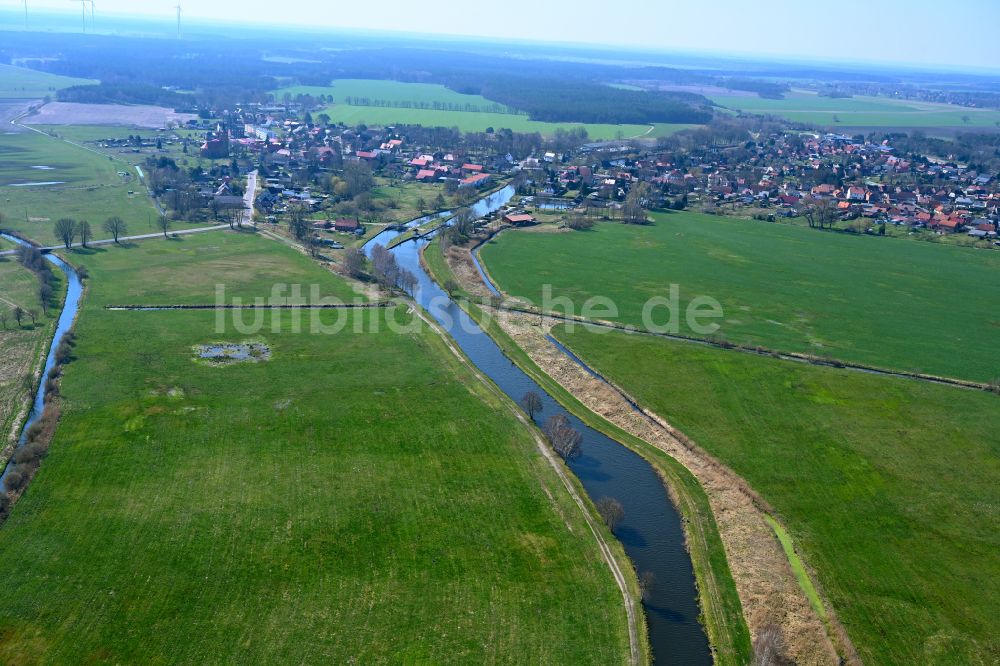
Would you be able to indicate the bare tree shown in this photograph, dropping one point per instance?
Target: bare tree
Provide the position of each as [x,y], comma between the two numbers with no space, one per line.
[564,439]
[85,232]
[647,581]
[235,218]
[406,281]
[115,226]
[163,224]
[4,313]
[634,211]
[33,313]
[611,511]
[313,246]
[297,223]
[820,213]
[45,295]
[19,314]
[354,262]
[65,230]
[769,649]
[531,402]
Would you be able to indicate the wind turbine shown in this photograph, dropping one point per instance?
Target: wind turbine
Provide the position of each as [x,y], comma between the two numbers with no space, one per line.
[93,23]
[178,8]
[83,9]
[25,14]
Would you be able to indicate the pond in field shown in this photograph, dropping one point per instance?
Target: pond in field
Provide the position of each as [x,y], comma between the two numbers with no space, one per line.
[40,184]
[230,352]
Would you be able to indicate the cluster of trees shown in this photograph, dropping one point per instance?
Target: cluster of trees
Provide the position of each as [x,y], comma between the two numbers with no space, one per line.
[123,93]
[821,213]
[298,221]
[355,179]
[565,441]
[28,457]
[765,89]
[978,150]
[388,273]
[580,221]
[218,74]
[354,262]
[636,203]
[436,106]
[561,100]
[67,230]
[31,258]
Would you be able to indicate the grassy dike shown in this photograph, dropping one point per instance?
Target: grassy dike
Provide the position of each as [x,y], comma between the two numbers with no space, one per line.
[722,613]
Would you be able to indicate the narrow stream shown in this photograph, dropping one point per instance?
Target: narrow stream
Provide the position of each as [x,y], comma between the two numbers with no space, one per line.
[66,317]
[651,531]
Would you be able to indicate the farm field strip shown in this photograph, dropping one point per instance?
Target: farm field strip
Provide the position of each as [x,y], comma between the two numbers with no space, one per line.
[806,107]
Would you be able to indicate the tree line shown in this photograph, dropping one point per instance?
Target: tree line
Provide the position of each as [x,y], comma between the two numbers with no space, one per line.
[435,106]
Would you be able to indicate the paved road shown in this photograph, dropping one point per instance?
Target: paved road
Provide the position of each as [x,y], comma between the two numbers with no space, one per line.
[109,241]
[249,197]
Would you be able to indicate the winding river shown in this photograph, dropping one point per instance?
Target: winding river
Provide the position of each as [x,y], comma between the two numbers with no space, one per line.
[66,317]
[651,531]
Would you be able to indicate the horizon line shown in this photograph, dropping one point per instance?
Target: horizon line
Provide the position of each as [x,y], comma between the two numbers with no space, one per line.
[168,20]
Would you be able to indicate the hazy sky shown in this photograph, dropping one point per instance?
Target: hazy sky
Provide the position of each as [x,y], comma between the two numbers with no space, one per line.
[924,32]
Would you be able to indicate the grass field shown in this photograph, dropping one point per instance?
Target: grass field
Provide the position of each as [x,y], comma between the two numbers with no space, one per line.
[20,346]
[806,107]
[466,120]
[89,187]
[23,83]
[357,498]
[94,136]
[186,270]
[398,201]
[906,305]
[889,487]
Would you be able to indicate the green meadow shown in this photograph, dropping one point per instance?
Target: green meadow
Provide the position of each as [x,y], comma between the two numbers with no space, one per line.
[88,186]
[888,486]
[94,136]
[187,270]
[24,83]
[911,306]
[296,509]
[806,107]
[476,119]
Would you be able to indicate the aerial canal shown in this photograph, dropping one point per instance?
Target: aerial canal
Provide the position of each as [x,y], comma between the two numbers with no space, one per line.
[651,530]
